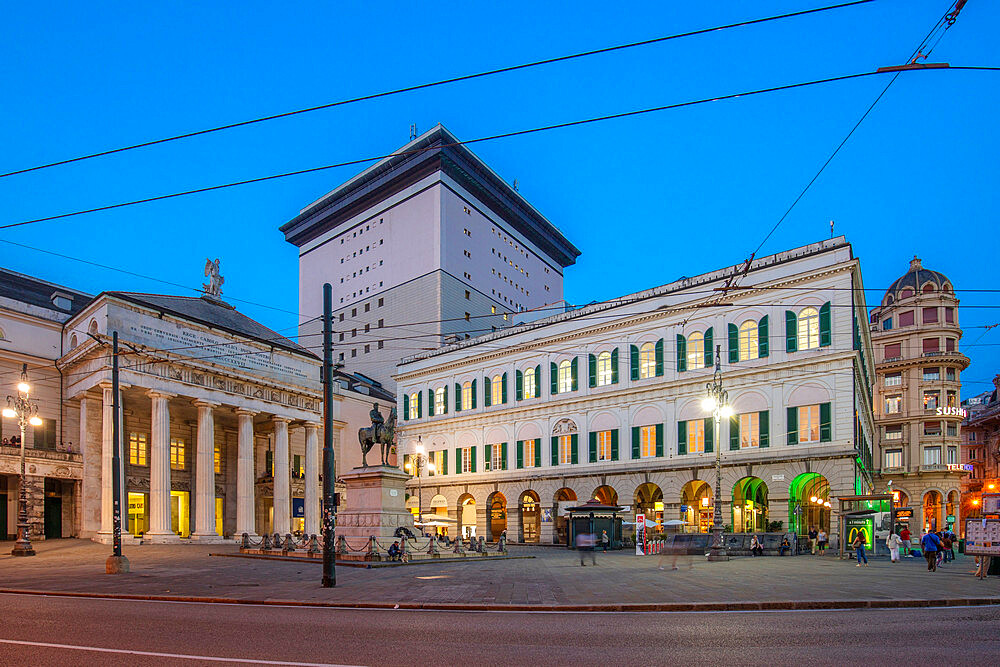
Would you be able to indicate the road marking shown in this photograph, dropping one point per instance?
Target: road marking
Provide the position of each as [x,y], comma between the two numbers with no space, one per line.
[155,654]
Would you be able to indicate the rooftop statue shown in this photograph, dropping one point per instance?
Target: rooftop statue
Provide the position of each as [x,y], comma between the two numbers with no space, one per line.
[215,280]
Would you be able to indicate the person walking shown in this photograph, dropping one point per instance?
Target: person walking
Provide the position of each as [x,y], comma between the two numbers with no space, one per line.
[813,534]
[605,540]
[893,542]
[930,545]
[904,535]
[859,548]
[584,543]
[946,552]
[821,540]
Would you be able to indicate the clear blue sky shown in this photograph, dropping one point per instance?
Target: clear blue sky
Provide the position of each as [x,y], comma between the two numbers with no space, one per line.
[646,199]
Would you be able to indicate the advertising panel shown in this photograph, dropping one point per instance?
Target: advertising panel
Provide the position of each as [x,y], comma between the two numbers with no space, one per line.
[982,537]
[640,534]
[865,525]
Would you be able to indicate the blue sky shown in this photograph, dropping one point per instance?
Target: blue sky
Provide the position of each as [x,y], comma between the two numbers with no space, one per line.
[646,199]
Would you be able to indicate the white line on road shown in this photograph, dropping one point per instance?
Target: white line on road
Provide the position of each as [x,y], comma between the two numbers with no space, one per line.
[155,654]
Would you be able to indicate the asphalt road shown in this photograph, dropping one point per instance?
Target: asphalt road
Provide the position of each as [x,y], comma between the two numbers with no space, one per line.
[38,630]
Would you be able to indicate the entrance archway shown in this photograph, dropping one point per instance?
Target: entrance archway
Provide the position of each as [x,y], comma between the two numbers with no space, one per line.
[563,498]
[497,521]
[606,495]
[951,509]
[530,517]
[649,502]
[696,506]
[932,510]
[466,510]
[900,499]
[750,505]
[806,497]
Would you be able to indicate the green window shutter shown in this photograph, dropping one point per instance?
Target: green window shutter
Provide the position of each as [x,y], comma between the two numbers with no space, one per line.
[709,348]
[472,455]
[762,338]
[444,462]
[764,417]
[458,397]
[420,407]
[503,389]
[709,436]
[458,460]
[538,453]
[538,381]
[406,407]
[592,370]
[555,451]
[503,455]
[682,356]
[487,392]
[474,392]
[446,399]
[659,357]
[682,437]
[825,425]
[593,447]
[430,402]
[488,459]
[573,439]
[633,355]
[792,415]
[734,343]
[518,385]
[573,367]
[635,442]
[825,335]
[614,366]
[659,439]
[734,433]
[520,454]
[553,378]
[791,332]
[614,445]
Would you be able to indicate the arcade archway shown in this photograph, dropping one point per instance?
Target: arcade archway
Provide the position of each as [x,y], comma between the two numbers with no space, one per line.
[807,498]
[648,501]
[696,506]
[562,499]
[496,522]
[530,517]
[606,495]
[466,510]
[750,506]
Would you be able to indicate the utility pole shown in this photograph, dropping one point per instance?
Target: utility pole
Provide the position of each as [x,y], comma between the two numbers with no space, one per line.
[116,563]
[329,510]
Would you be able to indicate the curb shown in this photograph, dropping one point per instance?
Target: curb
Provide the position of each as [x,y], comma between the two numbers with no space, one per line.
[787,605]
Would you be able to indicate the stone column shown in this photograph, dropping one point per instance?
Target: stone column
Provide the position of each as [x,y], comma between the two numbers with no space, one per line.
[245,520]
[204,509]
[282,478]
[312,478]
[159,469]
[107,497]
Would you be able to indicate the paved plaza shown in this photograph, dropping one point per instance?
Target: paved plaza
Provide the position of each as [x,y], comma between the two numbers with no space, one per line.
[552,576]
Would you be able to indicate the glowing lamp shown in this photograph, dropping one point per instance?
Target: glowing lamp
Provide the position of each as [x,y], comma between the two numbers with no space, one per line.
[704,501]
[813,499]
[975,501]
[408,467]
[9,413]
[708,404]
[826,504]
[726,412]
[420,449]
[35,421]
[992,486]
[431,467]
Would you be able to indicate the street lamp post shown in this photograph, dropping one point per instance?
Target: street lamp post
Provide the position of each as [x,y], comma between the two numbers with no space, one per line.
[717,401]
[417,463]
[25,412]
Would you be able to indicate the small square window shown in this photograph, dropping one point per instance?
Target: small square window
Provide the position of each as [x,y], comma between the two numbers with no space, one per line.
[380,303]
[380,345]
[354,312]
[354,353]
[368,307]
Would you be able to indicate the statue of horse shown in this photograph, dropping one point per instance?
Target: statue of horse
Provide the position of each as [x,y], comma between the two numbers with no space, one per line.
[384,434]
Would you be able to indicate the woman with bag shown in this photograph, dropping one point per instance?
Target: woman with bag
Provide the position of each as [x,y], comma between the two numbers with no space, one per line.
[893,542]
[859,545]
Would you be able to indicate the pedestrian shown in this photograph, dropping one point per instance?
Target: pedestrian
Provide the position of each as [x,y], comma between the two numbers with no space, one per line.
[892,542]
[904,535]
[859,547]
[756,549]
[946,551]
[821,540]
[605,540]
[785,546]
[930,545]
[813,534]
[585,543]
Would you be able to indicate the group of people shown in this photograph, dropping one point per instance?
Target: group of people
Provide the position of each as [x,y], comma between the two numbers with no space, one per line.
[818,539]
[937,546]
[13,441]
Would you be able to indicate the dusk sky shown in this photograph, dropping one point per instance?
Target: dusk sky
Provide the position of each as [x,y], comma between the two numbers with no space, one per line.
[646,199]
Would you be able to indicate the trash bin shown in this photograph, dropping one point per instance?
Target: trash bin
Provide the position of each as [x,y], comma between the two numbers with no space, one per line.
[961,546]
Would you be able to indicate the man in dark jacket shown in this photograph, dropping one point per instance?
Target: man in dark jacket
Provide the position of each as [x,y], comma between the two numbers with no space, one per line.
[931,545]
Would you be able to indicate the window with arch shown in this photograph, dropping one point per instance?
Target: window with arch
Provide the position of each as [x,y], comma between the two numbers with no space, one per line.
[412,405]
[565,376]
[696,351]
[603,369]
[440,401]
[647,361]
[496,390]
[748,341]
[73,341]
[529,384]
[808,334]
[467,395]
[93,327]
[928,288]
[906,293]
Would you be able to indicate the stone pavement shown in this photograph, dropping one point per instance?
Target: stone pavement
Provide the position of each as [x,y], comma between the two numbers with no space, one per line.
[552,577]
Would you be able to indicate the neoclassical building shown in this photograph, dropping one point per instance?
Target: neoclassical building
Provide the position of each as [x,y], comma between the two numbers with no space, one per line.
[605,401]
[915,332]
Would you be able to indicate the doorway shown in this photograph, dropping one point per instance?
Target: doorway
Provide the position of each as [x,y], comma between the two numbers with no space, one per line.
[53,517]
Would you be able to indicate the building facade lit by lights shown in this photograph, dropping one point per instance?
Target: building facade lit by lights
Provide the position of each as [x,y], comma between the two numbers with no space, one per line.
[981,448]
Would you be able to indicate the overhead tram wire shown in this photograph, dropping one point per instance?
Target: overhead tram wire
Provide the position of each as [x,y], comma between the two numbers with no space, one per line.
[441,82]
[503,135]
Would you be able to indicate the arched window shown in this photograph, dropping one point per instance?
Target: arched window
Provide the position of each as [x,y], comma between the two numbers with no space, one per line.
[906,293]
[928,288]
[467,395]
[647,361]
[748,340]
[439,401]
[946,289]
[603,369]
[808,328]
[93,327]
[530,384]
[73,341]
[696,351]
[496,390]
[415,405]
[565,376]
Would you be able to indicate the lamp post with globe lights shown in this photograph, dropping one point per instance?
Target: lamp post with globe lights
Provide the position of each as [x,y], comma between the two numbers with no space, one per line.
[418,462]
[25,412]
[717,402]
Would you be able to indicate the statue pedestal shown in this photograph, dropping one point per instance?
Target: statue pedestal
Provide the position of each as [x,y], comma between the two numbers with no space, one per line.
[376,505]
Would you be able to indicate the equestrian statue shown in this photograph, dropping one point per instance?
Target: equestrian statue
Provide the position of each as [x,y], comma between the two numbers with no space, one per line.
[381,431]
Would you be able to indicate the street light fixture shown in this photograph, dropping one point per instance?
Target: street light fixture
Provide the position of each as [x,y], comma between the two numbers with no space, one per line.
[25,412]
[717,402]
[419,461]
